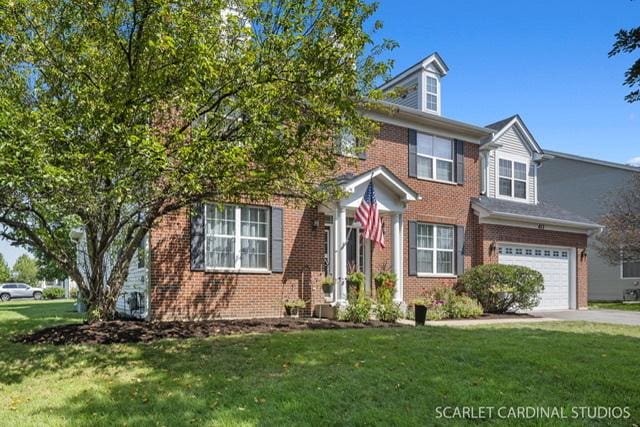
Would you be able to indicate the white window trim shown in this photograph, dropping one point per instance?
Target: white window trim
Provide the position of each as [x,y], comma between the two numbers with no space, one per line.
[622,276]
[434,160]
[526,162]
[435,250]
[426,93]
[238,242]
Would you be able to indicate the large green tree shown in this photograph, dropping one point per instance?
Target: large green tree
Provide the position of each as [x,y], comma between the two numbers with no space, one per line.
[5,273]
[627,41]
[116,112]
[25,270]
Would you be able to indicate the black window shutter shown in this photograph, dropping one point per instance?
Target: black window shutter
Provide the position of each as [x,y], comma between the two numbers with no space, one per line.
[197,237]
[459,249]
[413,249]
[459,151]
[277,246]
[413,151]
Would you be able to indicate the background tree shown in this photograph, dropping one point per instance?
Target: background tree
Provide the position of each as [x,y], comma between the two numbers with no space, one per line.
[628,41]
[25,270]
[620,239]
[5,273]
[47,268]
[116,112]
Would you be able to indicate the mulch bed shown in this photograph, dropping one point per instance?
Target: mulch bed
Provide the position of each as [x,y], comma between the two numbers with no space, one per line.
[127,331]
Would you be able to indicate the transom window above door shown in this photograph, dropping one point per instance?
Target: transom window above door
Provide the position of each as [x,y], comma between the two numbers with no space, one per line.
[434,157]
[512,179]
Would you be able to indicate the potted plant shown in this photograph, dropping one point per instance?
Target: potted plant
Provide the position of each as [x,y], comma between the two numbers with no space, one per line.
[385,286]
[355,285]
[292,307]
[327,286]
[420,310]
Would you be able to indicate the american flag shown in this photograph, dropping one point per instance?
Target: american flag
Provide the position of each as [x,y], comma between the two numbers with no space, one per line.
[369,217]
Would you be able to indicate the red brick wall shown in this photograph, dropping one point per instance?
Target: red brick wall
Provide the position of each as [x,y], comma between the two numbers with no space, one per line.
[441,203]
[179,293]
[500,233]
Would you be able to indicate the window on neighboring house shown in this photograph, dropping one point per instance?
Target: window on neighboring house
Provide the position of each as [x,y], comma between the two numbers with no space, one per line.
[434,157]
[237,237]
[630,269]
[434,249]
[512,179]
[432,93]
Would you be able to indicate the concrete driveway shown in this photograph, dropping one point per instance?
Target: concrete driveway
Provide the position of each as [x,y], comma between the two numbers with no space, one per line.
[598,316]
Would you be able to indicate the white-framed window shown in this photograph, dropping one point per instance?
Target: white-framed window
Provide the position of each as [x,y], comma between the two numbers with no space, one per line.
[237,237]
[434,157]
[434,245]
[630,269]
[512,178]
[432,94]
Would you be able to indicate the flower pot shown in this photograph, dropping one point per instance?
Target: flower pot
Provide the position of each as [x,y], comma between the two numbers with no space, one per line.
[420,314]
[328,292]
[291,311]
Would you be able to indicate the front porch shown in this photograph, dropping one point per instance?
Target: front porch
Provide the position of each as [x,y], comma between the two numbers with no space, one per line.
[347,251]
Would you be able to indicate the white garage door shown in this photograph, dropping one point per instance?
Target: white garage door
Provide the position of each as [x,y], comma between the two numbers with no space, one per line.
[553,263]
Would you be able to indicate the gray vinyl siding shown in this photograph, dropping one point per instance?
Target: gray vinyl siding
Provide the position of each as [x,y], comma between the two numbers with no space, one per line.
[511,145]
[585,188]
[136,281]
[410,99]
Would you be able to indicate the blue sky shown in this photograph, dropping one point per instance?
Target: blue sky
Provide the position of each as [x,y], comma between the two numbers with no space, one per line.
[545,60]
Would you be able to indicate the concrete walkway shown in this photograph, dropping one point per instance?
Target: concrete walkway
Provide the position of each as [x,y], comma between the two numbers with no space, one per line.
[598,316]
[475,322]
[619,317]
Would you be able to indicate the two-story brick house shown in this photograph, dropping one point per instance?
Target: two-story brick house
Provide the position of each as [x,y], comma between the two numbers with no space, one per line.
[452,195]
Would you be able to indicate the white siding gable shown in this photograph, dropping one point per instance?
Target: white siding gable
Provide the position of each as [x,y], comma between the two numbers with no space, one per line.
[513,147]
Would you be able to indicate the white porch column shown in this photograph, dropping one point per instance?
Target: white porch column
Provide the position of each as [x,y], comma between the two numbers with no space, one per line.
[396,257]
[341,247]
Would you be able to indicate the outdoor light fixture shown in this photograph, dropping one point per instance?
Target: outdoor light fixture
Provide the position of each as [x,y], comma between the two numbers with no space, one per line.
[583,254]
[492,247]
[315,224]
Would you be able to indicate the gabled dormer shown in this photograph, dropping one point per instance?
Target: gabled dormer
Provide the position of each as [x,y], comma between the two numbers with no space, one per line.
[509,162]
[419,86]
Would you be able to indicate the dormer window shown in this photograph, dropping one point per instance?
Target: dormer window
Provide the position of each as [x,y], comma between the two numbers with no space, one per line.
[512,179]
[432,94]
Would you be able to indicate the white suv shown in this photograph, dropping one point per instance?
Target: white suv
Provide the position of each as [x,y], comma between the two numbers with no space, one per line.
[19,290]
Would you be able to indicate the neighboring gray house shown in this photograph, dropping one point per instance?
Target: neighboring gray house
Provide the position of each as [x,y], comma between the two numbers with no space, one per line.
[583,185]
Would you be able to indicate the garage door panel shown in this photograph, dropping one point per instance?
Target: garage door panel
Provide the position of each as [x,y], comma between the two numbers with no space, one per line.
[552,263]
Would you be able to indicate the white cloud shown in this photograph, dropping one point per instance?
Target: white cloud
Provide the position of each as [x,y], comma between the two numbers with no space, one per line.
[634,161]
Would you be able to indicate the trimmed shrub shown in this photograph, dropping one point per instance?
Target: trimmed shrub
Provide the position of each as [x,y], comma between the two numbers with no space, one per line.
[462,307]
[445,303]
[389,312]
[74,293]
[53,293]
[501,288]
[358,311]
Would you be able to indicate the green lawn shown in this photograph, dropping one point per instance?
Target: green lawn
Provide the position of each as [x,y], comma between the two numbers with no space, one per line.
[614,306]
[355,377]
